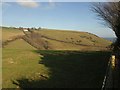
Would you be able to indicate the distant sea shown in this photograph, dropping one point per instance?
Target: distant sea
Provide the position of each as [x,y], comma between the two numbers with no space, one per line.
[110,39]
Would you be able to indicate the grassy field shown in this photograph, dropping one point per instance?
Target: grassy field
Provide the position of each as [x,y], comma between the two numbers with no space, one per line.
[59,39]
[26,67]
[0,33]
[19,61]
[9,33]
[0,67]
[46,39]
[55,45]
[75,37]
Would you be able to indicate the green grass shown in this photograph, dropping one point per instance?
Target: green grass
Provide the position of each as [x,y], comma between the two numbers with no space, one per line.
[45,40]
[65,69]
[27,67]
[19,44]
[8,33]
[75,37]
[0,67]
[72,40]
[74,69]
[0,34]
[20,62]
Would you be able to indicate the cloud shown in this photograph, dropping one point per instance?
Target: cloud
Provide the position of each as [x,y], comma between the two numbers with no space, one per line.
[28,3]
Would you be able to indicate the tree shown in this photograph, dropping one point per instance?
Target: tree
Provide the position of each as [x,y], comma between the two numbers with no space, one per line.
[109,12]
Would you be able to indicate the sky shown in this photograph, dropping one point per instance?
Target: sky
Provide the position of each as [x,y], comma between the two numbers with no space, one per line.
[75,16]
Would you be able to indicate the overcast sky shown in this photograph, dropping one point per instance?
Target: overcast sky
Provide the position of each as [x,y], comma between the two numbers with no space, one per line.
[60,15]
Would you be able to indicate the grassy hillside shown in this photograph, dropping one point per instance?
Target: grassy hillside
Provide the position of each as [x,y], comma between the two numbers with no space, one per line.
[0,37]
[0,33]
[67,40]
[9,33]
[75,37]
[26,67]
[58,39]
[20,60]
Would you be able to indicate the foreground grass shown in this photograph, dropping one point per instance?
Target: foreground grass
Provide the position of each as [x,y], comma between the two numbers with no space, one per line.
[0,57]
[26,67]
[69,70]
[19,61]
[73,69]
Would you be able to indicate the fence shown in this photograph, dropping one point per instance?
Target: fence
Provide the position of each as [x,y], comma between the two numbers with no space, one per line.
[112,76]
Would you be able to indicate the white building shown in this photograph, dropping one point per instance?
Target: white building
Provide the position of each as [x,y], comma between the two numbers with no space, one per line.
[25,30]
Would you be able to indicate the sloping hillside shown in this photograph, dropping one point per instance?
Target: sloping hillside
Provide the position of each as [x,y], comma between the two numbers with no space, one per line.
[19,59]
[10,33]
[75,37]
[47,39]
[67,40]
[0,37]
[26,67]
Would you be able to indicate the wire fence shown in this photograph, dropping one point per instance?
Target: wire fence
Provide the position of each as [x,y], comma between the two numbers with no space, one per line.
[112,75]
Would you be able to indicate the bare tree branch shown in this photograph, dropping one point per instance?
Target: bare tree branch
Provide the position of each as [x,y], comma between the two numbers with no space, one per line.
[109,12]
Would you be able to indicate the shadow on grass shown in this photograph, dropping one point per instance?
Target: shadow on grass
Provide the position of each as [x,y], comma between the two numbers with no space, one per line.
[70,70]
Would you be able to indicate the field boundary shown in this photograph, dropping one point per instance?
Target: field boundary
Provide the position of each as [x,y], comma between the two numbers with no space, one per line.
[69,42]
[4,43]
